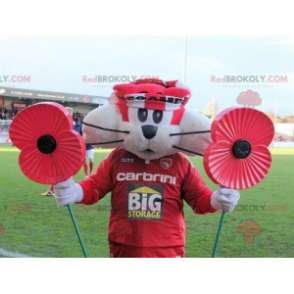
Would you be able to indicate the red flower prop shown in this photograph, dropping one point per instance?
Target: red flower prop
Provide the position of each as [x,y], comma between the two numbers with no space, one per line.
[238,156]
[51,151]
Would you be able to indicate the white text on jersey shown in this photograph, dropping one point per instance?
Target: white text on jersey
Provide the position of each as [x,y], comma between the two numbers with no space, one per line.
[146,177]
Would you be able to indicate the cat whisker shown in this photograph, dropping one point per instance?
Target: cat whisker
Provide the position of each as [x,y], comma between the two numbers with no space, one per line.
[189,133]
[105,129]
[187,150]
[103,143]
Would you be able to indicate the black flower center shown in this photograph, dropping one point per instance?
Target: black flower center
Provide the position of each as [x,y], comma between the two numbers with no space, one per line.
[46,144]
[242,149]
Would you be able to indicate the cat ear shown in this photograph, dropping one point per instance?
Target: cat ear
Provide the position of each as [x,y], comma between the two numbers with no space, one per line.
[105,117]
[177,84]
[193,121]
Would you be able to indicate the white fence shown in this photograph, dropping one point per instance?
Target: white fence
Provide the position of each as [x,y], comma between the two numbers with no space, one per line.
[285,129]
[4,126]
[4,130]
[282,144]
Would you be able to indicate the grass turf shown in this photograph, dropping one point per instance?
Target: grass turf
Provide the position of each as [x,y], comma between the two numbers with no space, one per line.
[35,226]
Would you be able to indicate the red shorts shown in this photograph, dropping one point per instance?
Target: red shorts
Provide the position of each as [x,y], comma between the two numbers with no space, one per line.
[117,250]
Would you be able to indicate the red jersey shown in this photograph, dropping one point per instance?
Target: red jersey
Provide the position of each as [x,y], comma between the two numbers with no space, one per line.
[147,197]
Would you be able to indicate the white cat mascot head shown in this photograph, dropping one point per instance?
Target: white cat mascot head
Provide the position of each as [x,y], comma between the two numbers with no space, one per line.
[149,119]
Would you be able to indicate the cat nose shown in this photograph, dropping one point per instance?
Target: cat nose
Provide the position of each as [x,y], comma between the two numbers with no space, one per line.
[149,131]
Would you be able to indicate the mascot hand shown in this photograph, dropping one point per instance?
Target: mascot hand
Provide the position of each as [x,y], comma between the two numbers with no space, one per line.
[224,199]
[68,192]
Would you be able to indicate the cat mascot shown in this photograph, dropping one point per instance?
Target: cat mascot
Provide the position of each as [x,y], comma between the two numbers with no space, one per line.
[148,173]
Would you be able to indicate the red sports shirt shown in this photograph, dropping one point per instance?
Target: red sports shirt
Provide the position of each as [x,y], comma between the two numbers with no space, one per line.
[147,197]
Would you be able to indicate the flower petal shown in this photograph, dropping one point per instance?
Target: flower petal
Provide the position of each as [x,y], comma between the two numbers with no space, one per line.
[214,156]
[71,150]
[218,125]
[228,171]
[243,123]
[36,120]
[58,166]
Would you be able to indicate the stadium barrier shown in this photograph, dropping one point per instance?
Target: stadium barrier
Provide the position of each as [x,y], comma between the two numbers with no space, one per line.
[282,145]
[4,131]
[285,129]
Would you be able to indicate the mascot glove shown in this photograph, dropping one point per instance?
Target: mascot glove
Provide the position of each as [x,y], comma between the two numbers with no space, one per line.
[224,199]
[67,192]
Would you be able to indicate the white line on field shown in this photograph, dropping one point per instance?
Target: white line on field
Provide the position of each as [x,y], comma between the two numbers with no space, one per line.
[13,254]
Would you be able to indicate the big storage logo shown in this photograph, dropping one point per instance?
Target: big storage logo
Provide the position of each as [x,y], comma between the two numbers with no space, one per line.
[145,202]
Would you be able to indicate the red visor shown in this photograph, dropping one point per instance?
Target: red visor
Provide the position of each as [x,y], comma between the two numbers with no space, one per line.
[151,94]
[153,90]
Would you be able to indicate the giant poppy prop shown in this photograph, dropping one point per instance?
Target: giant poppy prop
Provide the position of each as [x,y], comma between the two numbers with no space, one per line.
[51,151]
[238,156]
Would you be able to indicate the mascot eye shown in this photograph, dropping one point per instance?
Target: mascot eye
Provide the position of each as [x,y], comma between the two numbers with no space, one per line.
[157,116]
[142,114]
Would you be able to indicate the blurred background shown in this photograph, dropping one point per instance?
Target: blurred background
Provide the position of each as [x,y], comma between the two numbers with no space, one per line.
[80,71]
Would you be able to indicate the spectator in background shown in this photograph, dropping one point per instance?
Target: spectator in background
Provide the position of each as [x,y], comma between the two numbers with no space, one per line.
[77,125]
[7,114]
[90,157]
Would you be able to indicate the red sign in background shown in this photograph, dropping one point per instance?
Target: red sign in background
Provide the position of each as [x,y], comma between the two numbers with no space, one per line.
[19,105]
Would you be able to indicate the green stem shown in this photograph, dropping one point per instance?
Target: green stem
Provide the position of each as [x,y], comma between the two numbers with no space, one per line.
[221,222]
[77,230]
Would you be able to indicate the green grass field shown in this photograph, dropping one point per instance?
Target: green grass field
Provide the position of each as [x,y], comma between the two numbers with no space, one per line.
[35,226]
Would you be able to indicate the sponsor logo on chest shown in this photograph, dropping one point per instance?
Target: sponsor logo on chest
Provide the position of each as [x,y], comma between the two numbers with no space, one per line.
[166,163]
[145,202]
[146,177]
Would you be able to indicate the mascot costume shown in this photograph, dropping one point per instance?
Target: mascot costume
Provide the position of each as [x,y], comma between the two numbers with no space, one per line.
[148,173]
[149,179]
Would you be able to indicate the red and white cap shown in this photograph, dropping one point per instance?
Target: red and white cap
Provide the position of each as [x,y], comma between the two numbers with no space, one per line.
[151,94]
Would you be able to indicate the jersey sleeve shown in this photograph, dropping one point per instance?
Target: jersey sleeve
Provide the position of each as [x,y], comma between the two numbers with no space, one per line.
[194,190]
[100,183]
